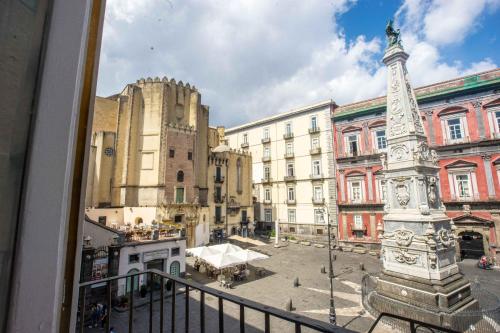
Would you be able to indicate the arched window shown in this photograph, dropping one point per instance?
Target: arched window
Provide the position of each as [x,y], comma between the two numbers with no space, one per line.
[238,175]
[180,176]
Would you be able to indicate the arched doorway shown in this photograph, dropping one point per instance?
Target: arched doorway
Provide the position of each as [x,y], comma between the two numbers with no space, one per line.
[471,245]
[175,268]
[136,280]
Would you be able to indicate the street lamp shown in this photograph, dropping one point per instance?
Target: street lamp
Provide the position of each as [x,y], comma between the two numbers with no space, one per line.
[333,316]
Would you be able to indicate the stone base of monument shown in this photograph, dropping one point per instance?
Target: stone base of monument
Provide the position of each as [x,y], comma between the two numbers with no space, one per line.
[441,303]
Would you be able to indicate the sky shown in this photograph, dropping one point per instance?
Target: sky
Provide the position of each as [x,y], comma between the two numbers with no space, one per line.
[254,58]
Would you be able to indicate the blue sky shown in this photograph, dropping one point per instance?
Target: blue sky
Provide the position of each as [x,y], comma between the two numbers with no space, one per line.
[254,58]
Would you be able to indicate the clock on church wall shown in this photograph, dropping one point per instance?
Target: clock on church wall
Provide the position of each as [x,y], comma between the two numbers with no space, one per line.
[108,151]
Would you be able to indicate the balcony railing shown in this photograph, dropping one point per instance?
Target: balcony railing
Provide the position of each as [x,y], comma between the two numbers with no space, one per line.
[219,179]
[265,140]
[314,130]
[218,198]
[289,178]
[245,145]
[288,136]
[316,176]
[219,219]
[267,202]
[266,180]
[291,202]
[318,201]
[465,139]
[266,158]
[186,305]
[289,155]
[474,197]
[315,151]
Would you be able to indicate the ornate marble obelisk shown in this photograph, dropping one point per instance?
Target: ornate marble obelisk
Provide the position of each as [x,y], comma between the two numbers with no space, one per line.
[420,277]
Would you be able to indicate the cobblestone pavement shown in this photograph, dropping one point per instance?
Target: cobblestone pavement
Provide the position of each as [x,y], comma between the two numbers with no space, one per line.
[311,298]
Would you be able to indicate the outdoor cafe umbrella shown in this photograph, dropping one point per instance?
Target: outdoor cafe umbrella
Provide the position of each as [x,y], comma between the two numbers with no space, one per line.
[248,255]
[225,248]
[202,251]
[223,260]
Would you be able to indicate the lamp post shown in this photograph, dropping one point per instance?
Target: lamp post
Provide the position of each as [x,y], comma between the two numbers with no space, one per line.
[332,314]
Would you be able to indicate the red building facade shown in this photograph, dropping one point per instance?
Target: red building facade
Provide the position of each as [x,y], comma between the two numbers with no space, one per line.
[462,121]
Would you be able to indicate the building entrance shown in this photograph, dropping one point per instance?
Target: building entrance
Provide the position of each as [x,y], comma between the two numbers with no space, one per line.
[471,245]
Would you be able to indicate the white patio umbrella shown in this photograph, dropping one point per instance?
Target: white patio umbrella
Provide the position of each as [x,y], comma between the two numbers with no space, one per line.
[225,248]
[201,251]
[222,260]
[248,255]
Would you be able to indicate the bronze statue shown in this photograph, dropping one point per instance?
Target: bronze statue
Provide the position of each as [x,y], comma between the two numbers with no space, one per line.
[392,34]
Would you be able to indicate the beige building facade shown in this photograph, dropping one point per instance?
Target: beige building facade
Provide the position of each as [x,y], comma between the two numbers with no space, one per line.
[151,153]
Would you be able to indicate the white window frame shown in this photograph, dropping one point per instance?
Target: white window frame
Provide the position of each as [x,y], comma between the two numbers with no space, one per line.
[314,122]
[292,216]
[380,183]
[245,138]
[318,192]
[375,139]
[268,215]
[315,143]
[267,194]
[289,148]
[454,184]
[462,116]
[350,192]
[267,151]
[266,134]
[347,146]
[291,193]
[494,121]
[288,128]
[319,217]
[315,163]
[267,172]
[290,166]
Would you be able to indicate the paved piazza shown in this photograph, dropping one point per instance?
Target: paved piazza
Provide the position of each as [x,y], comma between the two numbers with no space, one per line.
[276,287]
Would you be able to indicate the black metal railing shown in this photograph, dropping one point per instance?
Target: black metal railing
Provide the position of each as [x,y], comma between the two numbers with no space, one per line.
[414,325]
[170,322]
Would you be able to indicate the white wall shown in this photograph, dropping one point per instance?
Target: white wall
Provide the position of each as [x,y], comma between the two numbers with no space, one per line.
[123,215]
[140,248]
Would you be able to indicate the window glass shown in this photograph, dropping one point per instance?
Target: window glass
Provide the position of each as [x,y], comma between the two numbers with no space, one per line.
[356,194]
[463,186]
[497,118]
[179,195]
[288,129]
[315,142]
[314,122]
[171,153]
[318,193]
[381,140]
[455,129]
[290,170]
[289,148]
[245,138]
[291,194]
[291,215]
[267,152]
[318,216]
[268,215]
[316,168]
[176,251]
[267,173]
[190,155]
[266,133]
[352,144]
[267,194]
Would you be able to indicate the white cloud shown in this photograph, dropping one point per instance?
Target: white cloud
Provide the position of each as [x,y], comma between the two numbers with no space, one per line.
[254,58]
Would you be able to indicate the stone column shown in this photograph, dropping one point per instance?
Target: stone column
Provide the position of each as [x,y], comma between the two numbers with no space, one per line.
[479,118]
[366,134]
[369,179]
[373,227]
[344,227]
[342,185]
[489,175]
[432,140]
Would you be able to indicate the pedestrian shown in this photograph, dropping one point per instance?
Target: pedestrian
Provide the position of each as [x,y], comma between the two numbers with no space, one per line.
[112,330]
[94,316]
[104,315]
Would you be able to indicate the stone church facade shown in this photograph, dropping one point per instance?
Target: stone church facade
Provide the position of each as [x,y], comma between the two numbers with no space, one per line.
[150,154]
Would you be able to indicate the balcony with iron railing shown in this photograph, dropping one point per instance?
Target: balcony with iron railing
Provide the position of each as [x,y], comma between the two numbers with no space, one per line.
[316,176]
[266,180]
[173,304]
[314,130]
[267,201]
[315,151]
[219,219]
[245,145]
[291,202]
[219,179]
[266,158]
[318,201]
[288,136]
[468,198]
[289,178]
[218,198]
[265,140]
[289,155]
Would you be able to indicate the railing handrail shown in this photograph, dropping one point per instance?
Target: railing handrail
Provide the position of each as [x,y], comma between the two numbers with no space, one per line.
[281,314]
[412,323]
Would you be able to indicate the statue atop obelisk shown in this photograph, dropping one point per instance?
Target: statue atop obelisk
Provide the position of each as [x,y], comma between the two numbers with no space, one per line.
[420,276]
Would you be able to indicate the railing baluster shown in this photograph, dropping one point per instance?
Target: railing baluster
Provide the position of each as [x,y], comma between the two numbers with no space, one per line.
[151,302]
[162,296]
[221,316]
[202,311]
[173,306]
[108,296]
[242,318]
[186,315]
[131,305]
[267,323]
[298,328]
[82,309]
